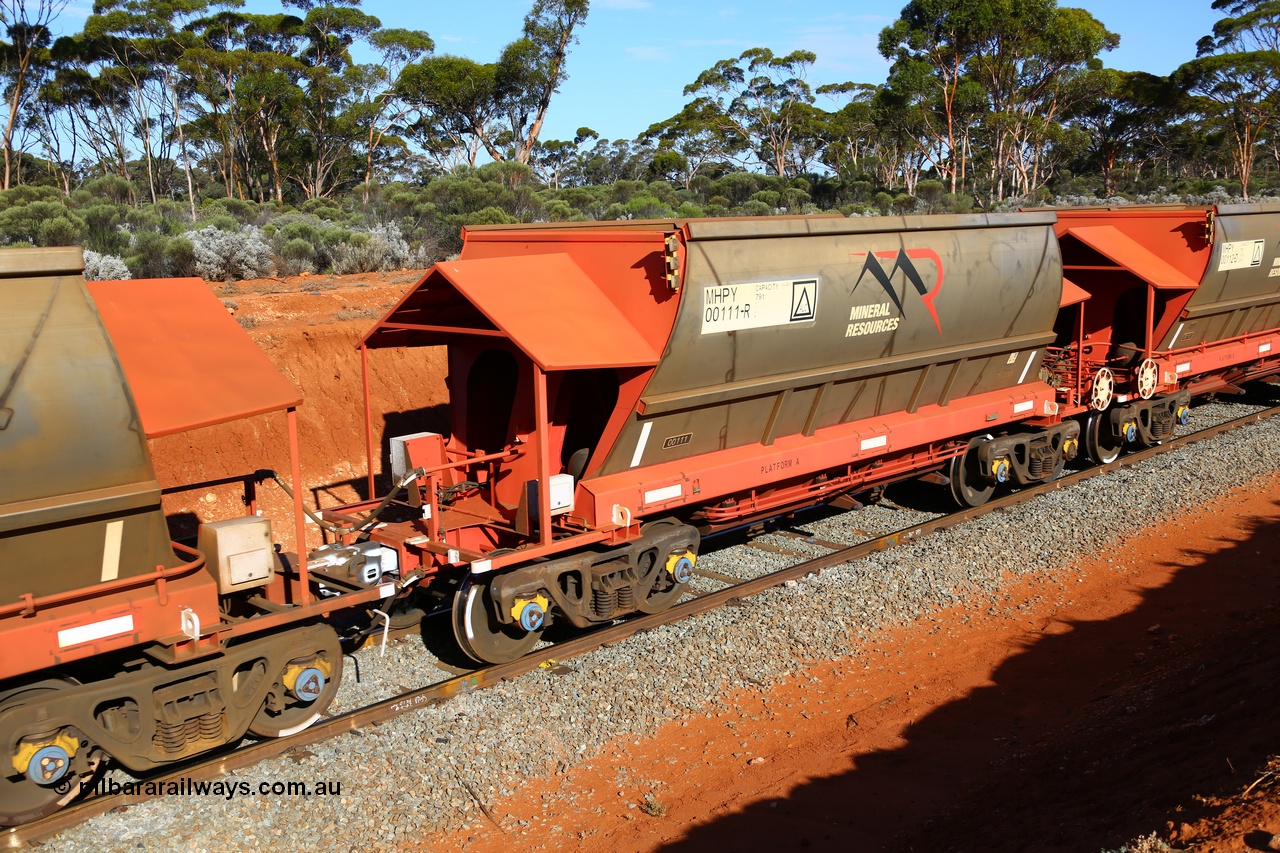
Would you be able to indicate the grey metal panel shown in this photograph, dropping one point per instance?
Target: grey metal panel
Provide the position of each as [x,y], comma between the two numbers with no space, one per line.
[1240,300]
[786,226]
[41,261]
[72,450]
[994,281]
[729,391]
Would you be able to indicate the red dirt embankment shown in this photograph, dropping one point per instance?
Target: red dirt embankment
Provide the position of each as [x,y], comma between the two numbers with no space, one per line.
[309,327]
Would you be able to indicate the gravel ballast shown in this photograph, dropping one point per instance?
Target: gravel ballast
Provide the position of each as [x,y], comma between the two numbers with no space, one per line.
[429,771]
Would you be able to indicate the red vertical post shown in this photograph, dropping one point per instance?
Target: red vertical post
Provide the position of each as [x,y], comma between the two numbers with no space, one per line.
[1151,320]
[543,428]
[368,414]
[1080,356]
[299,521]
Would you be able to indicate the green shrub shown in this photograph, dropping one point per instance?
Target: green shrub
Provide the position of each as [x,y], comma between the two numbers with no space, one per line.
[146,256]
[324,208]
[25,194]
[144,219]
[243,212]
[102,228]
[180,257]
[299,229]
[769,198]
[61,231]
[794,200]
[223,223]
[110,187]
[22,222]
[647,207]
[558,210]
[296,256]
[490,216]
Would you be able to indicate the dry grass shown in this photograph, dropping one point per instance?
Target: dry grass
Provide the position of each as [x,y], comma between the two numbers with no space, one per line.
[652,807]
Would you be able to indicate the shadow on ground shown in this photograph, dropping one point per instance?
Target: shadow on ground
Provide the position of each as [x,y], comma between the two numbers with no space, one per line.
[1085,740]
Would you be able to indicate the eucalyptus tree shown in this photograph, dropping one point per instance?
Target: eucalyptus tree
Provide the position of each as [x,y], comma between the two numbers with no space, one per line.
[1235,78]
[502,104]
[244,78]
[377,106]
[848,133]
[24,61]
[900,140]
[558,162]
[139,44]
[1128,112]
[321,41]
[932,45]
[94,109]
[760,102]
[697,140]
[1034,63]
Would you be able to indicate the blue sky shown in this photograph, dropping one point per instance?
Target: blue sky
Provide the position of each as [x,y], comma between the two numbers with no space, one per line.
[634,57]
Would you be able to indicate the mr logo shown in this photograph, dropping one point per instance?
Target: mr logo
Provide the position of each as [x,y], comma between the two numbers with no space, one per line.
[903,260]
[804,300]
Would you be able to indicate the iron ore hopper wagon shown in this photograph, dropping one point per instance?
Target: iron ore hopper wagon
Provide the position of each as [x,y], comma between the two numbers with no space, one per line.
[616,391]
[115,641]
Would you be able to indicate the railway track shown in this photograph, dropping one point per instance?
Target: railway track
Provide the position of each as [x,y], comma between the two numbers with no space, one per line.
[250,754]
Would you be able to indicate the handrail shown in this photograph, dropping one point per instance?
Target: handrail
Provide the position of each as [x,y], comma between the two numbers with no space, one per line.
[27,604]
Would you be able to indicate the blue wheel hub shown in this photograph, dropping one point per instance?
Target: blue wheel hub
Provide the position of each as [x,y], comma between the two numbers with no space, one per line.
[48,765]
[532,616]
[310,684]
[682,571]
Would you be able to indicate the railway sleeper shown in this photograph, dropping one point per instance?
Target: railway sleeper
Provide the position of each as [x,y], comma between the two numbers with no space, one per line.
[591,587]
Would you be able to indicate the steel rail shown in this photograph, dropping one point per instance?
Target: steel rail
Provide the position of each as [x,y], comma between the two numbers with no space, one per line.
[247,755]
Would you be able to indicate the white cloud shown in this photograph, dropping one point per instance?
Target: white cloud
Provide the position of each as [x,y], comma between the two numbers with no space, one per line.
[735,42]
[648,53]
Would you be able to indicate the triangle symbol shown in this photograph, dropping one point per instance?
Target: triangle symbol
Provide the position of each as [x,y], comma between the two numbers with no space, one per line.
[803,310]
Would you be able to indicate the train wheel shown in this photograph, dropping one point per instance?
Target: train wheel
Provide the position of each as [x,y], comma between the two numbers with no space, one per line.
[406,613]
[670,584]
[480,635]
[968,487]
[303,691]
[1099,446]
[23,800]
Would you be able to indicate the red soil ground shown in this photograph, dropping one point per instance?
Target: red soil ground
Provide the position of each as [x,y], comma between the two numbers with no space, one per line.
[1078,712]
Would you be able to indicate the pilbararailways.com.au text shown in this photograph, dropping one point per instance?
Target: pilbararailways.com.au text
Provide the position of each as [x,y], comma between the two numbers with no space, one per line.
[226,790]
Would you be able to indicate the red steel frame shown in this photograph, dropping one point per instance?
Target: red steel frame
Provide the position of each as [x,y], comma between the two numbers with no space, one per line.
[1201,368]
[609,508]
[151,606]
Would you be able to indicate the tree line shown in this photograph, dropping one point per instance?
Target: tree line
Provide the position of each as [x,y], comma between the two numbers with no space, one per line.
[167,106]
